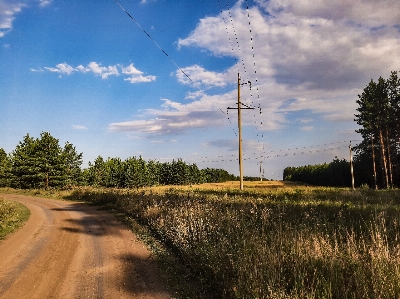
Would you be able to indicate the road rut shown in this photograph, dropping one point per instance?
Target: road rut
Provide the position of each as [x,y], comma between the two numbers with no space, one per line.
[72,250]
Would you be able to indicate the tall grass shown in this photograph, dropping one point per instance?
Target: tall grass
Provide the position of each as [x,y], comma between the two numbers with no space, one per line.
[12,216]
[292,243]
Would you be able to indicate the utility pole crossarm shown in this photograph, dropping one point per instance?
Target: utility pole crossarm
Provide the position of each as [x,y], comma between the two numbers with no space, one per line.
[239,108]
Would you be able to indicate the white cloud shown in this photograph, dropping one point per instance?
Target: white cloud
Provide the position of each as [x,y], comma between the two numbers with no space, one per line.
[103,71]
[36,70]
[131,70]
[43,3]
[175,118]
[82,69]
[318,53]
[192,95]
[8,10]
[62,68]
[140,79]
[168,122]
[201,77]
[366,12]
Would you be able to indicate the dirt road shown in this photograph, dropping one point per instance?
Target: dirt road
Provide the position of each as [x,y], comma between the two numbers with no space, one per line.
[72,250]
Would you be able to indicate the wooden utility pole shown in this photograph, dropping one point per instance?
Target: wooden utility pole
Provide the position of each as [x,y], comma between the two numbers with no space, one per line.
[239,108]
[351,166]
[373,162]
[240,136]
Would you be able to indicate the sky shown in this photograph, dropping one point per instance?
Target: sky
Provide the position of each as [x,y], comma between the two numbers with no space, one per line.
[154,78]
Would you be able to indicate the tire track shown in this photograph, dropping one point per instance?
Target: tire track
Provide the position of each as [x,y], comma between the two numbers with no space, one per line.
[72,250]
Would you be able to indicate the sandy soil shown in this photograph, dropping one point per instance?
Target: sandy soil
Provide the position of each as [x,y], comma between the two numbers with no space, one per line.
[72,250]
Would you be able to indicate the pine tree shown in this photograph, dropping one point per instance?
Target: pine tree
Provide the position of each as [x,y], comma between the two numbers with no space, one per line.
[5,169]
[42,163]
[73,162]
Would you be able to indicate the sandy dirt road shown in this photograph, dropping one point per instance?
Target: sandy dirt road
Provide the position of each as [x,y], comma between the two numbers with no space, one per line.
[72,250]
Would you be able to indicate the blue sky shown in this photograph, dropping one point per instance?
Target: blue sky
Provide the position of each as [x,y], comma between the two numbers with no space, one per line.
[87,73]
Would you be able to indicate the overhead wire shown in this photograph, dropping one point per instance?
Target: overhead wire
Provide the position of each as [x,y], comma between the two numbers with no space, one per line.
[256,85]
[287,152]
[237,40]
[279,155]
[233,53]
[282,153]
[158,46]
[244,68]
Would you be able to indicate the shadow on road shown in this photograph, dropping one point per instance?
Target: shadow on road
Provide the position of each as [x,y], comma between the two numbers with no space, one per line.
[90,221]
[142,277]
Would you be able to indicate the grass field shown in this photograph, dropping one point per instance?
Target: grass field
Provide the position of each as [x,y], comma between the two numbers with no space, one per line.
[273,240]
[12,216]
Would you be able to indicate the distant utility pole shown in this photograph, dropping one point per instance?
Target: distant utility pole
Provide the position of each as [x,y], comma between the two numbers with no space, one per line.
[373,162]
[239,109]
[351,166]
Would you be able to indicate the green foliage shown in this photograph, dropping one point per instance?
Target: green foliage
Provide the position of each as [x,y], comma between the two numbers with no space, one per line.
[136,173]
[379,118]
[335,174]
[377,157]
[12,216]
[73,162]
[5,169]
[41,163]
[214,175]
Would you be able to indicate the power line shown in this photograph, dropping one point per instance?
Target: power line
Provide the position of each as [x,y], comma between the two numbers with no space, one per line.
[285,152]
[237,40]
[227,115]
[279,155]
[158,46]
[298,151]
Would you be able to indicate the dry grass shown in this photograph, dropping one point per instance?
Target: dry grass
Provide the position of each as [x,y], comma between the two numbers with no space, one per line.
[274,240]
[12,216]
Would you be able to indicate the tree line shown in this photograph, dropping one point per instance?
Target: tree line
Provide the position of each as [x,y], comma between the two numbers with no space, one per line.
[38,163]
[334,174]
[379,118]
[377,157]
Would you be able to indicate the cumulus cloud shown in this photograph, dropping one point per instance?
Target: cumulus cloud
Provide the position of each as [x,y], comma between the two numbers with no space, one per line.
[177,118]
[104,72]
[62,68]
[8,11]
[365,12]
[317,54]
[140,78]
[168,122]
[201,77]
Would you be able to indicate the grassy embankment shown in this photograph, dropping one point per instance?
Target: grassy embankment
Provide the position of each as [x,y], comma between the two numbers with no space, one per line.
[272,242]
[12,216]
